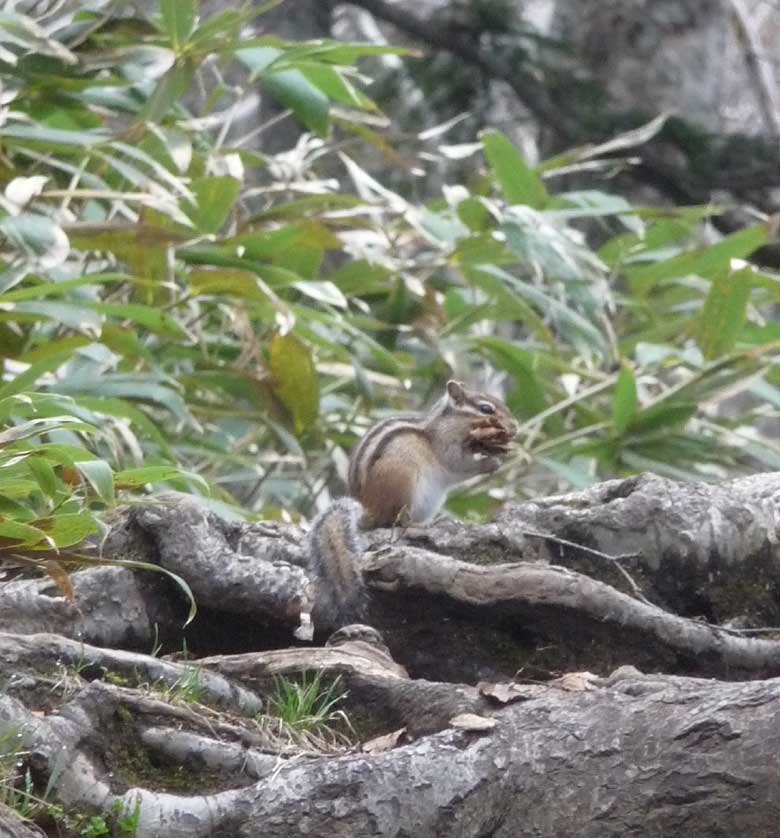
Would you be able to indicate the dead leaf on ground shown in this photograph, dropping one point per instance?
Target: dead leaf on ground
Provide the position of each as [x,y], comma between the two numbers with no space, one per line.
[509,691]
[383,743]
[576,682]
[471,721]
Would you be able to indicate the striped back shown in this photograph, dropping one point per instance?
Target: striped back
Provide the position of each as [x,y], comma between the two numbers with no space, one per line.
[374,443]
[438,426]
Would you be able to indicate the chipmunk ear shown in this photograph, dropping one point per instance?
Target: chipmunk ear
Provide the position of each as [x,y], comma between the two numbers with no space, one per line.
[456,391]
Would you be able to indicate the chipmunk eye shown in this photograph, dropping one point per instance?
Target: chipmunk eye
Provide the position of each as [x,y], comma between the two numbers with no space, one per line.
[486,408]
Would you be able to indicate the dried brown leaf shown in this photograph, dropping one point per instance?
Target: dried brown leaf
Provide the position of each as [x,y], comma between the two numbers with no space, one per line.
[387,742]
[471,721]
[576,682]
[508,692]
[60,578]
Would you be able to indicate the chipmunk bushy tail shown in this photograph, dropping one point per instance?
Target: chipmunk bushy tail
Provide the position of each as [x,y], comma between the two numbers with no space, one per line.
[335,550]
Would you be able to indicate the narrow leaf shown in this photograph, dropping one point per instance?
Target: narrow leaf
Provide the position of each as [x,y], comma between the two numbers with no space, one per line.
[69,529]
[154,474]
[179,20]
[519,183]
[99,475]
[215,197]
[171,87]
[294,380]
[707,262]
[294,91]
[624,400]
[723,313]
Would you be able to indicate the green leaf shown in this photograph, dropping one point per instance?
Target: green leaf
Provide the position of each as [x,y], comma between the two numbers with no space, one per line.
[258,59]
[169,90]
[141,387]
[76,317]
[288,86]
[133,477]
[178,18]
[224,282]
[52,138]
[663,415]
[294,380]
[125,410]
[60,288]
[294,91]
[99,475]
[216,197]
[473,507]
[22,31]
[53,347]
[21,534]
[509,306]
[333,84]
[154,319]
[527,398]
[706,262]
[62,453]
[474,214]
[42,471]
[624,400]
[67,530]
[723,314]
[519,183]
[13,488]
[41,426]
[26,379]
[584,334]
[221,29]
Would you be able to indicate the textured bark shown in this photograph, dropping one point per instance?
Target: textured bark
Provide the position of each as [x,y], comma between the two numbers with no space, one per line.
[28,655]
[113,607]
[700,550]
[640,755]
[602,764]
[220,560]
[704,549]
[685,56]
[187,741]
[11,826]
[379,692]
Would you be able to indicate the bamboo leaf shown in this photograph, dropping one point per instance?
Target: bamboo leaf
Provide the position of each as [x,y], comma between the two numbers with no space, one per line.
[723,313]
[624,400]
[215,197]
[99,475]
[178,18]
[294,380]
[517,180]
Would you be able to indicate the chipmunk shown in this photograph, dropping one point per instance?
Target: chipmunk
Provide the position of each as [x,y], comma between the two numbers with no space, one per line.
[400,473]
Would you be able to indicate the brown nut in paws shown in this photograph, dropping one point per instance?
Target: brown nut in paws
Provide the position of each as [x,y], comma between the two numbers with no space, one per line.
[489,436]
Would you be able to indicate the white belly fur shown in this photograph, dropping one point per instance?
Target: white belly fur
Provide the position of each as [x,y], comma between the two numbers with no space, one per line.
[429,494]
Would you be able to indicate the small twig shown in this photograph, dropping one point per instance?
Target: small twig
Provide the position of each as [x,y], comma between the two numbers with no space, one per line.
[635,588]
[564,542]
[763,82]
[598,553]
[762,630]
[260,129]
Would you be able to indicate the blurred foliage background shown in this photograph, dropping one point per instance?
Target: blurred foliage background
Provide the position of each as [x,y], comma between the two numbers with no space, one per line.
[180,309]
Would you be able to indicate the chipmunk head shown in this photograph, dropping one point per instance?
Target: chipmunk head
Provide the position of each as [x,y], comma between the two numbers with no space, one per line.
[479,405]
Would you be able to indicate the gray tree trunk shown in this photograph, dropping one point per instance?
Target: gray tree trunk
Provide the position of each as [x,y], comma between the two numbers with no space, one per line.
[707,60]
[461,722]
